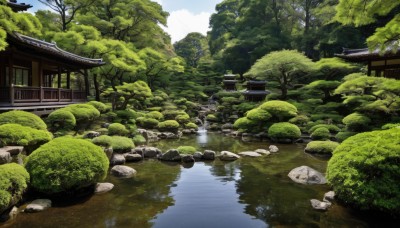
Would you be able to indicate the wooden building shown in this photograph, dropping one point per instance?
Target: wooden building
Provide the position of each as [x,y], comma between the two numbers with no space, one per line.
[385,64]
[255,91]
[230,82]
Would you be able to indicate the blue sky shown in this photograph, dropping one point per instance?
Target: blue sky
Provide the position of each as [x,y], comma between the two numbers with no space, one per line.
[185,15]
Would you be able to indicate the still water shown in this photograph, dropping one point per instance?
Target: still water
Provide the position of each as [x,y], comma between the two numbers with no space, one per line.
[250,192]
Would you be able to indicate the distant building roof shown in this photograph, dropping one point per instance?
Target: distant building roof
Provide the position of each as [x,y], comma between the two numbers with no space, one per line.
[18,6]
[254,82]
[230,81]
[51,49]
[364,54]
[255,92]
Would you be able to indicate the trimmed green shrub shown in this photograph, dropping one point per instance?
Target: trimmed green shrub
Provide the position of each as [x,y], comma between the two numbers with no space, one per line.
[14,181]
[321,147]
[126,114]
[169,125]
[61,119]
[119,144]
[186,150]
[65,165]
[364,171]
[171,114]
[244,124]
[390,126]
[117,129]
[280,110]
[191,126]
[183,119]
[155,115]
[158,109]
[17,135]
[212,118]
[147,123]
[327,117]
[139,139]
[357,122]
[103,140]
[321,133]
[284,130]
[23,118]
[258,114]
[300,120]
[245,106]
[343,135]
[101,107]
[332,128]
[83,112]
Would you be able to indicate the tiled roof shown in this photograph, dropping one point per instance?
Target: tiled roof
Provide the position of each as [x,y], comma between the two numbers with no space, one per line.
[364,54]
[18,6]
[255,92]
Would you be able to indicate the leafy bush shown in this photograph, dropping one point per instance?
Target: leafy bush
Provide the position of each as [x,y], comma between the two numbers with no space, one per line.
[119,144]
[169,125]
[244,124]
[321,133]
[321,147]
[101,107]
[357,122]
[14,181]
[186,150]
[155,115]
[139,139]
[191,126]
[300,120]
[23,118]
[364,171]
[103,140]
[212,118]
[171,114]
[17,135]
[332,128]
[147,123]
[390,126]
[127,114]
[258,114]
[83,112]
[284,130]
[61,119]
[183,119]
[343,135]
[65,165]
[117,129]
[327,117]
[245,106]
[280,110]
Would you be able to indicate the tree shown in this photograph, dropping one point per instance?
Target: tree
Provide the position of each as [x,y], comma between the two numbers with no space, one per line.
[284,67]
[128,93]
[192,48]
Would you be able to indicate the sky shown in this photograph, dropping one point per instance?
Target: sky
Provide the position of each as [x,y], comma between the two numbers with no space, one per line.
[186,16]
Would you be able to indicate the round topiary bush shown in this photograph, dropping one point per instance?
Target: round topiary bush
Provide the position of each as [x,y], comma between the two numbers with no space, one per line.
[65,165]
[117,129]
[332,128]
[321,147]
[119,144]
[357,122]
[169,125]
[148,123]
[83,112]
[284,131]
[191,126]
[300,120]
[139,139]
[101,107]
[103,140]
[17,135]
[61,119]
[155,115]
[183,119]
[186,150]
[343,135]
[280,110]
[365,171]
[23,118]
[390,126]
[211,118]
[14,181]
[258,114]
[321,133]
[244,124]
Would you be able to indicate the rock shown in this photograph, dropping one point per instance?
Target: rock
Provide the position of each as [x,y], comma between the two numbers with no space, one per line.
[13,150]
[109,152]
[227,126]
[209,155]
[226,131]
[13,213]
[151,136]
[5,157]
[105,125]
[38,205]
[250,154]
[171,155]
[329,196]
[117,159]
[92,134]
[189,131]
[228,156]
[263,152]
[169,135]
[187,158]
[103,188]
[122,171]
[151,152]
[306,175]
[273,149]
[198,156]
[318,205]
[133,157]
[247,137]
[236,133]
[261,135]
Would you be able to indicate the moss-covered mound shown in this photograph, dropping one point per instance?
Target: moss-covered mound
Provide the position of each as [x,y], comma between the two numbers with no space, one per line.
[281,110]
[357,122]
[65,165]
[83,112]
[169,125]
[148,123]
[365,171]
[23,118]
[321,133]
[61,119]
[117,129]
[119,144]
[283,131]
[321,147]
[101,107]
[186,150]
[14,181]
[17,135]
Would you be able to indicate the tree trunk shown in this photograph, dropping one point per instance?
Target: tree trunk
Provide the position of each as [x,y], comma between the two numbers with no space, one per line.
[96,87]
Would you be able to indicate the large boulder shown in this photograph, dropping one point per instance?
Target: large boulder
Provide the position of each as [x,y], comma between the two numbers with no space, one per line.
[123,171]
[38,205]
[250,154]
[209,155]
[319,205]
[171,155]
[228,156]
[198,156]
[103,188]
[187,158]
[117,159]
[263,152]
[133,157]
[151,152]
[306,175]
[13,150]
[5,157]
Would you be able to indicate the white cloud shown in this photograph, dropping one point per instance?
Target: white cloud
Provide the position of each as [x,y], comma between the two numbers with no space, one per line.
[158,1]
[182,22]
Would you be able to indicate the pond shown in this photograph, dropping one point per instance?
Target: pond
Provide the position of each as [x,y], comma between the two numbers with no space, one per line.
[250,192]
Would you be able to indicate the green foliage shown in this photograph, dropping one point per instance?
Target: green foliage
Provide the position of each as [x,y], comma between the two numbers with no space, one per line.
[243,107]
[343,135]
[183,119]
[321,147]
[244,124]
[117,129]
[212,118]
[364,171]
[17,135]
[332,128]
[168,125]
[191,126]
[320,133]
[155,115]
[127,114]
[103,140]
[357,122]
[119,144]
[284,130]
[66,164]
[128,93]
[390,126]
[61,119]
[258,114]
[101,107]
[300,120]
[14,180]
[139,140]
[280,110]
[186,150]
[83,112]
[171,114]
[148,123]
[327,117]
[22,118]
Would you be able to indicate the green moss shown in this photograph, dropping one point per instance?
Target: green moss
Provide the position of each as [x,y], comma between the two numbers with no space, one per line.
[357,122]
[332,128]
[321,133]
[280,110]
[183,119]
[364,171]
[17,135]
[284,130]
[321,147]
[169,125]
[61,119]
[23,118]
[186,150]
[171,114]
[155,115]
[127,114]
[259,115]
[117,129]
[327,117]
[244,124]
[103,140]
[300,120]
[83,112]
[14,181]
[343,135]
[101,107]
[148,123]
[65,165]
[212,118]
[119,144]
[390,126]
[191,126]
[139,140]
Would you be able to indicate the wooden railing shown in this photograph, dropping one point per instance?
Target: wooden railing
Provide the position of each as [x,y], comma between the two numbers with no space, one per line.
[24,94]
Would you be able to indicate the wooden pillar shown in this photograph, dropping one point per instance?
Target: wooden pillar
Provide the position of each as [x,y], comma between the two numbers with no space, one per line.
[59,77]
[86,77]
[68,80]
[40,73]
[369,68]
[11,78]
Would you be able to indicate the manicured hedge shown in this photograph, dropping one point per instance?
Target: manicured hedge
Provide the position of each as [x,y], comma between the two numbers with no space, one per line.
[191,126]
[186,150]
[17,135]
[169,125]
[23,118]
[148,123]
[83,112]
[280,110]
[119,144]
[155,115]
[332,128]
[321,147]
[321,133]
[284,130]
[61,119]
[65,165]
[101,107]
[117,129]
[357,122]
